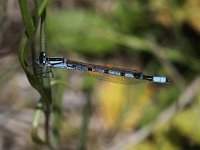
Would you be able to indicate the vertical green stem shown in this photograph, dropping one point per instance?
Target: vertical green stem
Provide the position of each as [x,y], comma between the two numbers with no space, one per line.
[57,113]
[86,118]
[46,81]
[33,54]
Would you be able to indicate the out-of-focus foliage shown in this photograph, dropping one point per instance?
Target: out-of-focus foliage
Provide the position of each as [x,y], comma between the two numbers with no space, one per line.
[134,29]
[81,31]
[131,24]
[158,37]
[171,13]
[188,128]
[164,145]
[122,106]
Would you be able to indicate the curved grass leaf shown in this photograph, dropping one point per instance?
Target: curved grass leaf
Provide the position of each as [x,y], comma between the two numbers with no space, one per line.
[28,22]
[34,131]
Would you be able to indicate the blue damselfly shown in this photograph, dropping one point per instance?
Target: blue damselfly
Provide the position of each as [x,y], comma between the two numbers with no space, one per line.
[107,73]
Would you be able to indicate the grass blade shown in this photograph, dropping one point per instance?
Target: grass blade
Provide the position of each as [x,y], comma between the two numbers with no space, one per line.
[27,19]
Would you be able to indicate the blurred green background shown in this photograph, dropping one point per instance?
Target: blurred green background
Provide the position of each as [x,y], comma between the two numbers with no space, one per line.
[156,37]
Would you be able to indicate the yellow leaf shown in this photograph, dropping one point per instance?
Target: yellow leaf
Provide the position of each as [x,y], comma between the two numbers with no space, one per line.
[122,105]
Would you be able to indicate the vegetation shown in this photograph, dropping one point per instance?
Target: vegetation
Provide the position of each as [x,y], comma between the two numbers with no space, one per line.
[157,37]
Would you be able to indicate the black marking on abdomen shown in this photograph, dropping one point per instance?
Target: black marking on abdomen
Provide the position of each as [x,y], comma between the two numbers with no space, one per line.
[149,78]
[122,74]
[137,75]
[89,69]
[106,71]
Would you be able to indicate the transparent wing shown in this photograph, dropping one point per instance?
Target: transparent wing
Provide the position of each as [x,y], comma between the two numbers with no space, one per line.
[107,67]
[113,78]
[108,77]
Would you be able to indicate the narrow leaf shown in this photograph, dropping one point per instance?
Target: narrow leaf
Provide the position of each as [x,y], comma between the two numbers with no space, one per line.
[28,22]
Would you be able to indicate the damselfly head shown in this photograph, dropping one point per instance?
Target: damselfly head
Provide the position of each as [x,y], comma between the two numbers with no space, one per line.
[41,60]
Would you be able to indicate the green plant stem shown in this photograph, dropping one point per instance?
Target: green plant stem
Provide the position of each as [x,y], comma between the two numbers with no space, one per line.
[35,124]
[86,118]
[57,113]
[45,81]
[43,87]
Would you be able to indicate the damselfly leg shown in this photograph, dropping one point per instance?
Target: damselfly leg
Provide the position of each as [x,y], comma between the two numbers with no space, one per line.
[45,72]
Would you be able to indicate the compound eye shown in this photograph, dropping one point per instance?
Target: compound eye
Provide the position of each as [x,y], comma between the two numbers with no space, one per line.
[42,54]
[42,58]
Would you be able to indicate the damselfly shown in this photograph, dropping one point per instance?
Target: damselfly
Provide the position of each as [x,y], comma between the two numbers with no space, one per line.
[112,74]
